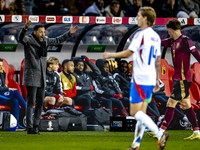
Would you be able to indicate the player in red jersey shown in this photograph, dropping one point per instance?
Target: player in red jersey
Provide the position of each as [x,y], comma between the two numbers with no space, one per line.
[181,49]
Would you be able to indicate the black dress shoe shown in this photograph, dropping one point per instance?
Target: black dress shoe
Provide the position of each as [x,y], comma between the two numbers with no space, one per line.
[36,129]
[31,131]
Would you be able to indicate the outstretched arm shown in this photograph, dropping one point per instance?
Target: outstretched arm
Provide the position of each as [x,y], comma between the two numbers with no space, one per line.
[123,54]
[62,38]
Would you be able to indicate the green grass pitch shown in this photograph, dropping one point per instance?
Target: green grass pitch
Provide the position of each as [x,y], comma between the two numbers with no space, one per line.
[91,140]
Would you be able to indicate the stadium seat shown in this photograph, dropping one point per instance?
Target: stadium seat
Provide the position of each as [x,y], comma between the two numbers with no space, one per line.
[10,71]
[112,65]
[23,87]
[194,95]
[166,74]
[196,72]
[4,107]
[78,107]
[93,61]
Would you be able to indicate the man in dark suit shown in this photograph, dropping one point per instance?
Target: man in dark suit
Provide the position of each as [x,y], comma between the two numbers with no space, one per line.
[35,49]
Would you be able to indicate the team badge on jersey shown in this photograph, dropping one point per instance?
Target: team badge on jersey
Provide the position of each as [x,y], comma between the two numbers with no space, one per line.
[177,45]
[173,53]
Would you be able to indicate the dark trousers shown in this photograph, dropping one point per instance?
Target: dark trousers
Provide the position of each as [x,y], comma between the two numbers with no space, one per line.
[105,102]
[126,103]
[35,95]
[84,101]
[120,107]
[152,109]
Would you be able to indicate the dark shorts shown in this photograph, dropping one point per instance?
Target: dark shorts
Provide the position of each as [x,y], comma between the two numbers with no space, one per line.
[180,90]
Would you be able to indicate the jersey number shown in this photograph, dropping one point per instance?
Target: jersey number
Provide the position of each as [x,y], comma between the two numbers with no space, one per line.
[152,54]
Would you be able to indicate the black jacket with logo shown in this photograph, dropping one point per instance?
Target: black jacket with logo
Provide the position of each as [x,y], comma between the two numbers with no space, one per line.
[53,82]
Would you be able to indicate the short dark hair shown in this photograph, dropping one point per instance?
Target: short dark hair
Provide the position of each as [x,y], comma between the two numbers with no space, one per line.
[114,2]
[174,24]
[1,60]
[36,27]
[65,62]
[122,62]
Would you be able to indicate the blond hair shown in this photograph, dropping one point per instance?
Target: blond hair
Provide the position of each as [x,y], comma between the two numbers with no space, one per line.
[52,60]
[150,13]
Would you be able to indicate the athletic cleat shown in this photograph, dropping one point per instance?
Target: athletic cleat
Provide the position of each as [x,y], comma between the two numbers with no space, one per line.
[162,142]
[152,135]
[134,146]
[193,136]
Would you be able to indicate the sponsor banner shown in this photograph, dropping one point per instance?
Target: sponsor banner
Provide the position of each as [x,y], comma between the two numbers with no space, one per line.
[132,20]
[2,18]
[16,18]
[117,20]
[96,48]
[8,47]
[83,19]
[50,19]
[100,20]
[196,21]
[183,21]
[67,19]
[34,18]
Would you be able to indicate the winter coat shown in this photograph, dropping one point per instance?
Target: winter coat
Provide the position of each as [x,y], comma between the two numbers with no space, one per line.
[35,64]
[123,80]
[105,84]
[109,13]
[93,10]
[84,85]
[53,84]
[168,11]
[189,7]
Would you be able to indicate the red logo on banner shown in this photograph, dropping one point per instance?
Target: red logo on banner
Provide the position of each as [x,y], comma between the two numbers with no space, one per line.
[50,19]
[35,19]
[117,20]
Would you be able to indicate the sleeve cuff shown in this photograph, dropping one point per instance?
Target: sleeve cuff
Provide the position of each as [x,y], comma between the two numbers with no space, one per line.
[23,30]
[69,34]
[57,97]
[86,59]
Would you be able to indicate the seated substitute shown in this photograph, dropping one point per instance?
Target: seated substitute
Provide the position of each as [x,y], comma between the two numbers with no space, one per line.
[106,86]
[53,93]
[12,94]
[69,85]
[84,85]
